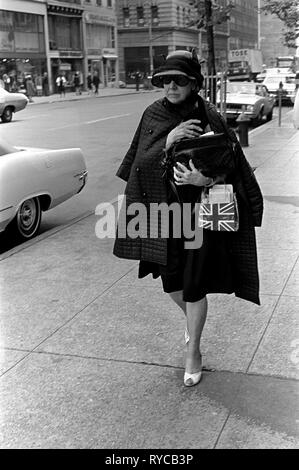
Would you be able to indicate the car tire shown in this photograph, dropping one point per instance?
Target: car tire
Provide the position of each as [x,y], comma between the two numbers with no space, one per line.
[26,222]
[7,114]
[259,119]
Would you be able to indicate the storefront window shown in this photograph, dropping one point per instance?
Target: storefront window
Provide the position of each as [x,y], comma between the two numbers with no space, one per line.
[137,58]
[18,69]
[25,22]
[21,32]
[7,40]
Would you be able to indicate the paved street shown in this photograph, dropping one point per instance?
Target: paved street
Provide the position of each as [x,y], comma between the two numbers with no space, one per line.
[101,127]
[92,358]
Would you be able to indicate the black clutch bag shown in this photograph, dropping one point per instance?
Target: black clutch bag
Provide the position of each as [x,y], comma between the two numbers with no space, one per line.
[212,154]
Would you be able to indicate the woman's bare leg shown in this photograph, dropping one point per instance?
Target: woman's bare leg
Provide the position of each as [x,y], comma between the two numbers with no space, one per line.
[196,318]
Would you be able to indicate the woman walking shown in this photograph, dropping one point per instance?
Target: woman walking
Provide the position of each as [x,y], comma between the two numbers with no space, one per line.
[226,262]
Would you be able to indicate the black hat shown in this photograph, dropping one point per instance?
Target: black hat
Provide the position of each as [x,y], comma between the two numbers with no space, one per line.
[182,61]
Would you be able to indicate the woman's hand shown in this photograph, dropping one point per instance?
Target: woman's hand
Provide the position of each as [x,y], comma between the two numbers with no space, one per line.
[188,129]
[182,176]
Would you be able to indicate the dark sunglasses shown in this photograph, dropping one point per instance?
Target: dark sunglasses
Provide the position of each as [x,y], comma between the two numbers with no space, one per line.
[180,80]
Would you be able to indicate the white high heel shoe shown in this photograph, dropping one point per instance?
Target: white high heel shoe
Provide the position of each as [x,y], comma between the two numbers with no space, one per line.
[192,379]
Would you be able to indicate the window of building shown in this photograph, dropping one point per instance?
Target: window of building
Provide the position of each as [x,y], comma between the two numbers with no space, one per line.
[99,37]
[109,3]
[155,14]
[99,3]
[126,16]
[112,34]
[178,16]
[21,32]
[140,16]
[64,33]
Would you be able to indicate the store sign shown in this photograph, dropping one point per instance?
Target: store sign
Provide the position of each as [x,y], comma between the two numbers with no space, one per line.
[65,66]
[97,52]
[70,54]
[238,54]
[99,19]
[108,51]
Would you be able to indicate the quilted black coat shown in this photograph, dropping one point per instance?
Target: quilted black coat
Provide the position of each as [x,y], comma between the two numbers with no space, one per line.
[141,168]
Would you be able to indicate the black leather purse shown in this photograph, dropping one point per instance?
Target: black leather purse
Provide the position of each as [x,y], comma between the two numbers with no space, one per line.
[212,154]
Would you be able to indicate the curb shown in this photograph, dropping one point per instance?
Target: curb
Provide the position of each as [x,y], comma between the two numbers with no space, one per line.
[71,98]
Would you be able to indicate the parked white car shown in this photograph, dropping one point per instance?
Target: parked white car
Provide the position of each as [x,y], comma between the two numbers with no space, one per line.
[251,98]
[36,180]
[289,87]
[11,103]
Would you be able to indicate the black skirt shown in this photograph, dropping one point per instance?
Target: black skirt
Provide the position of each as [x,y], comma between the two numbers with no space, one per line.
[198,271]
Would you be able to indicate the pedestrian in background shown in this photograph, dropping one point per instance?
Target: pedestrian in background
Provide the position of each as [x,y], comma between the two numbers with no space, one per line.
[89,83]
[6,80]
[77,83]
[45,84]
[96,82]
[137,76]
[30,88]
[226,262]
[61,82]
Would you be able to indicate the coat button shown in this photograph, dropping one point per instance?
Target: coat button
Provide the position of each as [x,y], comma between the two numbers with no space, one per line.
[150,131]
[143,194]
[137,169]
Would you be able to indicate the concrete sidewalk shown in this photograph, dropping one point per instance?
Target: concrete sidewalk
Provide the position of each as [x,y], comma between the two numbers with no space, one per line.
[103,93]
[94,358]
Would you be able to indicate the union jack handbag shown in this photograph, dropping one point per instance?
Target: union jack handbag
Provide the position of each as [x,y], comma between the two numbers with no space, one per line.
[222,216]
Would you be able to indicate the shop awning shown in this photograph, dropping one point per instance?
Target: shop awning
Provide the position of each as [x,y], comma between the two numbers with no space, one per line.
[110,56]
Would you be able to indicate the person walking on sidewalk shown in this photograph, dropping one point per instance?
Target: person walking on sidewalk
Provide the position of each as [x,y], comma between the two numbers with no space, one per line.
[89,83]
[137,77]
[61,82]
[30,88]
[45,84]
[96,82]
[226,262]
[77,84]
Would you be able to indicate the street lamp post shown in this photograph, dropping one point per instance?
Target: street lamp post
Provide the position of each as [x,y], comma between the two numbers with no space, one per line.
[150,36]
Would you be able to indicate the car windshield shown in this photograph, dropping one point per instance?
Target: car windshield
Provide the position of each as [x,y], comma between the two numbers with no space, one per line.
[247,88]
[279,78]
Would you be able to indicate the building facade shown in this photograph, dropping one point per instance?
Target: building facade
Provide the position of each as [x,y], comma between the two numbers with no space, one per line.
[271,39]
[23,41]
[143,43]
[82,38]
[58,37]
[100,33]
[244,25]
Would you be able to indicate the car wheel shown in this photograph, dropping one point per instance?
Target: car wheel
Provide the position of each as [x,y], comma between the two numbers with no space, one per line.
[7,114]
[259,119]
[27,221]
[270,116]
